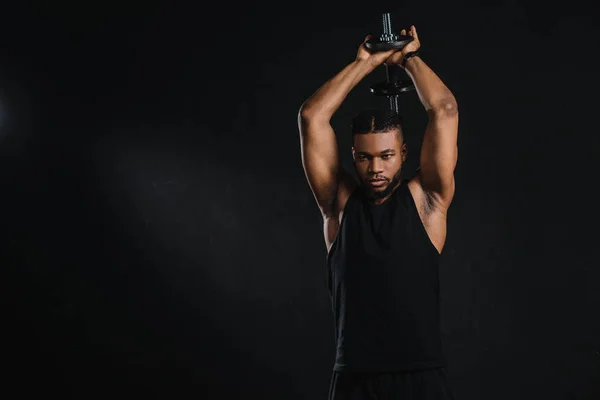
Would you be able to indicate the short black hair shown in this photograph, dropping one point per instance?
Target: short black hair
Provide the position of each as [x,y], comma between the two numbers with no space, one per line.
[373,120]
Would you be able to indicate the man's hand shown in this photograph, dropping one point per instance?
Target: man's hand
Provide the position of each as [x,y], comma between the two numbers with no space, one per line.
[373,59]
[414,45]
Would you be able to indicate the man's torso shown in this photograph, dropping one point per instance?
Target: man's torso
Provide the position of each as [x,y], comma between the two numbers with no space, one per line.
[432,214]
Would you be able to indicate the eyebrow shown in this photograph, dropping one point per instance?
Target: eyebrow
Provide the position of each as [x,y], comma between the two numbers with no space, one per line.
[383,152]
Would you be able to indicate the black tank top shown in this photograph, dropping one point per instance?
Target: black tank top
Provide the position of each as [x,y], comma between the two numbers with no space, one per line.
[384,287]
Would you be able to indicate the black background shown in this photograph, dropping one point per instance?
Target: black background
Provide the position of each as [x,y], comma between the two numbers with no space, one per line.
[159,238]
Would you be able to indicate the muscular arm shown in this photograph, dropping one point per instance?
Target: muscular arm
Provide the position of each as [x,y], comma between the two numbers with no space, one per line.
[320,157]
[439,151]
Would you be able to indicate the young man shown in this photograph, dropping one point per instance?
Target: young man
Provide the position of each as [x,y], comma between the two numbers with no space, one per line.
[384,234]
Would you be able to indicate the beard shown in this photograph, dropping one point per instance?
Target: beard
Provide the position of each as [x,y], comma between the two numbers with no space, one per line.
[377,195]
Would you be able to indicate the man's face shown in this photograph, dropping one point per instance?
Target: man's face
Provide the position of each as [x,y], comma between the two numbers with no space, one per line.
[378,158]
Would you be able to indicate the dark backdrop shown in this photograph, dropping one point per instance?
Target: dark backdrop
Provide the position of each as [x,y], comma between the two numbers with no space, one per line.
[158,236]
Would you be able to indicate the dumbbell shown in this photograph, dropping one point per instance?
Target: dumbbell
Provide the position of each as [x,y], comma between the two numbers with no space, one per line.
[394,84]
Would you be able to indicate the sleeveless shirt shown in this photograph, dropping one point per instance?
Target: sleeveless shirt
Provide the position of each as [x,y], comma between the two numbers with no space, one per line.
[383,281]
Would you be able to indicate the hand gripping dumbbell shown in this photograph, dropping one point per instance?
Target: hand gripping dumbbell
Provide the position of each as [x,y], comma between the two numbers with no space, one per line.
[393,85]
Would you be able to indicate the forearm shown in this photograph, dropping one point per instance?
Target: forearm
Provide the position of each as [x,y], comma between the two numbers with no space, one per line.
[433,93]
[329,97]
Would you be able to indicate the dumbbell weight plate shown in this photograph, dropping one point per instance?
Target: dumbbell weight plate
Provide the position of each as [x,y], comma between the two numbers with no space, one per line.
[392,88]
[377,45]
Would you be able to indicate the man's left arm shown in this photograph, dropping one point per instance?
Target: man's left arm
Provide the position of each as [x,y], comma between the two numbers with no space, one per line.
[439,151]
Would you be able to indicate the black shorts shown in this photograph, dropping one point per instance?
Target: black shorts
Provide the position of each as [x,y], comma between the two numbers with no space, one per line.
[431,384]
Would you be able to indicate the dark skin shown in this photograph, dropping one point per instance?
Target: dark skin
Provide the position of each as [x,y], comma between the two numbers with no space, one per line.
[432,188]
[378,160]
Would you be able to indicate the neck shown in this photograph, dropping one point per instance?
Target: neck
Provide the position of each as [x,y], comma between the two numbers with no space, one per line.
[382,200]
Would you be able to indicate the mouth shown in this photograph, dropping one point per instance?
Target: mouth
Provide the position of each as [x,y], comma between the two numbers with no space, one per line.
[377,182]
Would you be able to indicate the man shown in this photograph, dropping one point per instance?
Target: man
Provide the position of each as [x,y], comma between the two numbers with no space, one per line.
[384,234]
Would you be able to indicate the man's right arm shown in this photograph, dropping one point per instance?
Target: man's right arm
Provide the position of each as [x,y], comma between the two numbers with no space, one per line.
[320,155]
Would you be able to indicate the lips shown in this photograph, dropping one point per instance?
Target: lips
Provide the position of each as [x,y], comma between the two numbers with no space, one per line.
[377,182]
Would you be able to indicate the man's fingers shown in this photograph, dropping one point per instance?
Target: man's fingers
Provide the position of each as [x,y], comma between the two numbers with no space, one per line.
[388,53]
[413,30]
[403,32]
[394,57]
[391,59]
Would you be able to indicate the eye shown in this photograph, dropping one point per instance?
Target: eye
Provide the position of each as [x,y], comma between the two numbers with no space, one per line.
[386,156]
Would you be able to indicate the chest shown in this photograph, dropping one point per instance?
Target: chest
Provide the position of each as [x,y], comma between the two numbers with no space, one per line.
[380,231]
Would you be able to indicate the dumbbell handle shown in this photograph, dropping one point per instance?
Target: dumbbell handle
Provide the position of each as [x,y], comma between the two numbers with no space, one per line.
[388,35]
[387,24]
[393,73]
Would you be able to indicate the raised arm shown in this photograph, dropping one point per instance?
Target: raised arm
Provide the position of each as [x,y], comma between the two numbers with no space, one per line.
[320,156]
[439,151]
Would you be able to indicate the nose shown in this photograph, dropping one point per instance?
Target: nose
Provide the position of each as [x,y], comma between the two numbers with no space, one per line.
[375,166]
